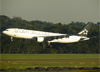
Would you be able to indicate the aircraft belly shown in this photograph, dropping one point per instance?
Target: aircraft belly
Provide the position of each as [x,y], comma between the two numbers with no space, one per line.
[67,40]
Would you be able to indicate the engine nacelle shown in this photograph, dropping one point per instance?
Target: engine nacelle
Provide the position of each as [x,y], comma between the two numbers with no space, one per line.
[40,39]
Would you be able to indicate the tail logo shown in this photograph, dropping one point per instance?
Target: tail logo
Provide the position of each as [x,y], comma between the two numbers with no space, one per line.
[84,32]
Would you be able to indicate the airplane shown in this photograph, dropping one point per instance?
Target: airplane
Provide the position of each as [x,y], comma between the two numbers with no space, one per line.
[51,37]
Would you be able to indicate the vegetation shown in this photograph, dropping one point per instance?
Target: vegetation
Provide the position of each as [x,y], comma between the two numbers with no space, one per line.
[20,46]
[23,61]
[53,69]
[47,56]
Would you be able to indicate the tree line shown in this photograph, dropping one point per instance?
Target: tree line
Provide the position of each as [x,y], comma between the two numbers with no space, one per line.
[21,46]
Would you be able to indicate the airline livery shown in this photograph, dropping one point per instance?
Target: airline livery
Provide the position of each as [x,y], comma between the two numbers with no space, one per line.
[50,37]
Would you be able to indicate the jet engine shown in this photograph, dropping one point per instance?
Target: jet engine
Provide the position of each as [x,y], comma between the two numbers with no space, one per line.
[39,39]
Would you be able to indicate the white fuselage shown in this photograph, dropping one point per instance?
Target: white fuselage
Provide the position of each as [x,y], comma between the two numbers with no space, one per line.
[69,39]
[40,35]
[28,34]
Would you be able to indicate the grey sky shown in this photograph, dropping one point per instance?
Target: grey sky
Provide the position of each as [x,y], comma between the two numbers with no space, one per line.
[0,7]
[63,11]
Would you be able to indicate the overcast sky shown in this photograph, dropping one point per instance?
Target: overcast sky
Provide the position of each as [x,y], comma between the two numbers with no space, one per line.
[55,11]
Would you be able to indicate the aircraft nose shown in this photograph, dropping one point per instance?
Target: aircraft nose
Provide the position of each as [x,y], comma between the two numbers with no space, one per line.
[4,32]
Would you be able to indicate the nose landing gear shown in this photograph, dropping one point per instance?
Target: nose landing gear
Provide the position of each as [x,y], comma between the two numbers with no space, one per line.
[11,38]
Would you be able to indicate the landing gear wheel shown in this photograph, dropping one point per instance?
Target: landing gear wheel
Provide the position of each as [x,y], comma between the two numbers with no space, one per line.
[49,44]
[11,38]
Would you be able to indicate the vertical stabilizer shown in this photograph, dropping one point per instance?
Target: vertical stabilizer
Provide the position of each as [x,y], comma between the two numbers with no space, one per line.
[85,30]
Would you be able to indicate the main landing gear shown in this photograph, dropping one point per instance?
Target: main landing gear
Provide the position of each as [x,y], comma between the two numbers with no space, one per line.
[49,44]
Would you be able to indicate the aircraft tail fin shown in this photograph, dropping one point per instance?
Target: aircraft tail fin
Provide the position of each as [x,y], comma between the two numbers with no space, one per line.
[85,30]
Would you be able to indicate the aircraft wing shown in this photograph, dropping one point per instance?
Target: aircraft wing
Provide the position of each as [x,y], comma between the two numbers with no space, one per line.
[55,37]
